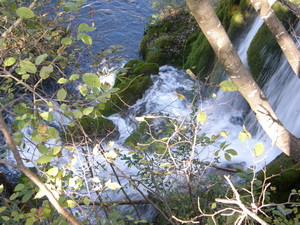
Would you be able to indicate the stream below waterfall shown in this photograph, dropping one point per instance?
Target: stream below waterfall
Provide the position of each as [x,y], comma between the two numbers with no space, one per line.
[122,23]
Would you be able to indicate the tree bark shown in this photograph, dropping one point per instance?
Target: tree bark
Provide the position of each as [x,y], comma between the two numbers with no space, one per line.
[279,32]
[32,176]
[212,28]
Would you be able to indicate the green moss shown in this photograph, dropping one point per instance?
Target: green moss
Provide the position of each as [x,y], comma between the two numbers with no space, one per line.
[132,89]
[99,127]
[286,177]
[146,69]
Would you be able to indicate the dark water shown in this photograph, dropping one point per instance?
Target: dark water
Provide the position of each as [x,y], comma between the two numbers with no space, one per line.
[117,22]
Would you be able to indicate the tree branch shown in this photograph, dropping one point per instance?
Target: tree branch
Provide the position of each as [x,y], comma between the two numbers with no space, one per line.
[32,176]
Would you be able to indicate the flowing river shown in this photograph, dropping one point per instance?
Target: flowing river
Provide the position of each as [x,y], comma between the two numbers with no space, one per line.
[122,23]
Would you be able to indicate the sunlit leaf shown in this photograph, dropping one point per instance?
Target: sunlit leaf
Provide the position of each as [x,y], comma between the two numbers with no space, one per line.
[180,96]
[25,12]
[259,149]
[53,133]
[44,159]
[56,150]
[1,188]
[201,117]
[96,180]
[61,94]
[224,133]
[192,75]
[47,116]
[88,110]
[214,96]
[52,171]
[112,186]
[78,114]
[140,119]
[66,41]
[164,165]
[28,66]
[40,59]
[213,205]
[39,195]
[228,86]
[9,61]
[74,77]
[46,71]
[71,203]
[87,39]
[91,80]
[86,201]
[83,90]
[62,80]
[242,136]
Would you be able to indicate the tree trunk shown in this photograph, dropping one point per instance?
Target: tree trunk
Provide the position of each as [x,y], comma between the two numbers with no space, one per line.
[212,28]
[279,32]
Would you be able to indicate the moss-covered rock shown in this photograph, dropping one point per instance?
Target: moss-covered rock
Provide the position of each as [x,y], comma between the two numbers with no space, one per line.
[95,128]
[286,176]
[132,85]
[177,40]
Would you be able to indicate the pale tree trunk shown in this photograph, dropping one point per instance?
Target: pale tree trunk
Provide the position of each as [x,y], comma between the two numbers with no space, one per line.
[279,32]
[32,176]
[212,28]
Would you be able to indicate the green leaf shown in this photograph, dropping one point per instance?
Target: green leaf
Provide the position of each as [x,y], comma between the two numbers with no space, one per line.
[5,218]
[56,150]
[227,157]
[39,195]
[112,186]
[145,162]
[28,66]
[9,61]
[53,171]
[44,159]
[61,94]
[214,205]
[62,81]
[45,71]
[83,90]
[87,39]
[78,114]
[85,28]
[20,71]
[201,117]
[74,77]
[40,59]
[53,133]
[71,203]
[66,41]
[224,133]
[25,76]
[19,187]
[86,201]
[88,110]
[25,13]
[259,149]
[228,86]
[2,209]
[43,149]
[1,188]
[231,152]
[14,196]
[242,136]
[47,116]
[91,80]
[164,165]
